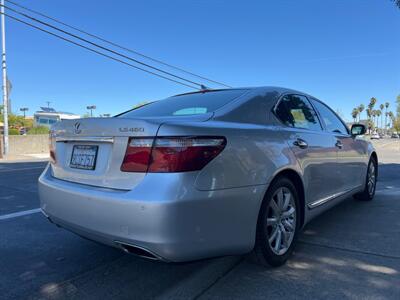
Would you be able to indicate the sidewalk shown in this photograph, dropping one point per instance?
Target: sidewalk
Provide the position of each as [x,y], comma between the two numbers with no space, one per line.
[12,158]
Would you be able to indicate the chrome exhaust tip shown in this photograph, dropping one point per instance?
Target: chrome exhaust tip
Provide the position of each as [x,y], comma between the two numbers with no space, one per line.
[137,251]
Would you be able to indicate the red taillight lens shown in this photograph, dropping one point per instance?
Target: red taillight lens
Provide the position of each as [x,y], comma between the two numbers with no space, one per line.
[171,154]
[138,154]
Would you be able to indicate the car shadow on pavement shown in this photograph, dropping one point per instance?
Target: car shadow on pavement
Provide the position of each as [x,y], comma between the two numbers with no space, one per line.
[350,251]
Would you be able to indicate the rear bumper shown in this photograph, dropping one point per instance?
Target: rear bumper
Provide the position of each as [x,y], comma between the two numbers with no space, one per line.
[175,224]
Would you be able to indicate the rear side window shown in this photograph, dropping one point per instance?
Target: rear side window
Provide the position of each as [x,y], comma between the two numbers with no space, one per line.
[296,111]
[188,104]
[331,120]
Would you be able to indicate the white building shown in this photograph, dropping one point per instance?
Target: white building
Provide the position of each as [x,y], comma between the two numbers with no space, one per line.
[48,116]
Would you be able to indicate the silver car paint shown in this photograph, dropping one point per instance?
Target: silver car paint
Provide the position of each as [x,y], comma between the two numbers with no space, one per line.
[193,215]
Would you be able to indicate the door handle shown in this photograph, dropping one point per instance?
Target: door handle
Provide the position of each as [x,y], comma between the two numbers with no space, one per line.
[300,143]
[339,144]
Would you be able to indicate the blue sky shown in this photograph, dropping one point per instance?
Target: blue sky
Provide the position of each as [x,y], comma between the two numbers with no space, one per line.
[342,51]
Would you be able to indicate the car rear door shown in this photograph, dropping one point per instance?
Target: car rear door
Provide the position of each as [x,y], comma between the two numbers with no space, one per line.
[351,152]
[314,148]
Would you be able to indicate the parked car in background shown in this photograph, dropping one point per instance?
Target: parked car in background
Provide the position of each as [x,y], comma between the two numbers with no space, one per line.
[23,131]
[395,136]
[375,136]
[205,174]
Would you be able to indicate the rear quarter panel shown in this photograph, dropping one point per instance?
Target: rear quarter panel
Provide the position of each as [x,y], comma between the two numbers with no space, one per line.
[252,156]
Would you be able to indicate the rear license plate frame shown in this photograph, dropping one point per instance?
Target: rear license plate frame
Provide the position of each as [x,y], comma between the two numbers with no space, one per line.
[91,166]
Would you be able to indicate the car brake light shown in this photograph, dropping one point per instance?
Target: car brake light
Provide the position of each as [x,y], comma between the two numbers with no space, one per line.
[138,154]
[171,154]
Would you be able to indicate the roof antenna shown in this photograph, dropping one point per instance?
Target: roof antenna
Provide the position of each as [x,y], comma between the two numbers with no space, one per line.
[203,87]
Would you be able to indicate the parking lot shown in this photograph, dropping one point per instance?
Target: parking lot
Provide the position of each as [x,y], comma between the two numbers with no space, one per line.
[352,252]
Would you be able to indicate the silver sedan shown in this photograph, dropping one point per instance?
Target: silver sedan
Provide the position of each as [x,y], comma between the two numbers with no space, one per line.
[205,174]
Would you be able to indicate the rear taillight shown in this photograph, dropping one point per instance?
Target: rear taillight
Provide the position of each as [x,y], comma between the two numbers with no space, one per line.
[52,147]
[171,154]
[138,154]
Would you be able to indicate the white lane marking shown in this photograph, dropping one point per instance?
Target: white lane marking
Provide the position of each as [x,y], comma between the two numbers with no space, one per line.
[21,169]
[20,214]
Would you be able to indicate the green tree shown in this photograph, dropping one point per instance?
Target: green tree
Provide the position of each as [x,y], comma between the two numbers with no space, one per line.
[354,114]
[369,111]
[391,118]
[378,114]
[361,108]
[13,131]
[386,114]
[373,114]
[39,130]
[396,124]
[15,121]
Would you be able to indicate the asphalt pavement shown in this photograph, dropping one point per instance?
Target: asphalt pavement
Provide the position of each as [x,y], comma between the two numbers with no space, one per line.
[350,252]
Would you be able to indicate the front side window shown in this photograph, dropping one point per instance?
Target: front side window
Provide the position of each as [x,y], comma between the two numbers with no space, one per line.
[296,111]
[332,122]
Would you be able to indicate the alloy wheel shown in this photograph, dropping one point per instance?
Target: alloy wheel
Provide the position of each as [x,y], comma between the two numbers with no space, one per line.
[371,179]
[281,221]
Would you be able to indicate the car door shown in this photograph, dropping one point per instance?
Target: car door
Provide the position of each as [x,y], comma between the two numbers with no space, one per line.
[351,152]
[314,148]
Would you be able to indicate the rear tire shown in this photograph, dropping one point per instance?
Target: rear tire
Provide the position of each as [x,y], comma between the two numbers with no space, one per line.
[278,224]
[370,182]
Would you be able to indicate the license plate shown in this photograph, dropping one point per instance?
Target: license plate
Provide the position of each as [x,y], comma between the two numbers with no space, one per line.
[84,157]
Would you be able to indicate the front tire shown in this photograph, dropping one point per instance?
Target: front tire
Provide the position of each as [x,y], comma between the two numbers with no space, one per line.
[278,223]
[370,182]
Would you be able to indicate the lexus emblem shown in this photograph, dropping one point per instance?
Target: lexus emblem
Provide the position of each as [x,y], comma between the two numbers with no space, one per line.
[77,126]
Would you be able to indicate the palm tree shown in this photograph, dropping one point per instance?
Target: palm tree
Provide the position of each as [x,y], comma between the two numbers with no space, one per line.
[369,114]
[378,114]
[391,118]
[386,124]
[372,103]
[373,114]
[386,114]
[382,106]
[370,110]
[354,114]
[361,108]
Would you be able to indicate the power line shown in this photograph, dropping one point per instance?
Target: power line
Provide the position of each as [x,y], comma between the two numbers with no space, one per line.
[97,52]
[101,47]
[115,44]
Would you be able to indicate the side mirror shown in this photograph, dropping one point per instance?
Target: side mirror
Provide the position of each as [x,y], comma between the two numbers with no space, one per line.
[358,129]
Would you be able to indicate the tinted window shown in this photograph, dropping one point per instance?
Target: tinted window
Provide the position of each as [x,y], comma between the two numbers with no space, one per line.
[183,105]
[332,122]
[296,111]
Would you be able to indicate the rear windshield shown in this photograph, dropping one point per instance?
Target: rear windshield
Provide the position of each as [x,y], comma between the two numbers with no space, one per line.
[184,105]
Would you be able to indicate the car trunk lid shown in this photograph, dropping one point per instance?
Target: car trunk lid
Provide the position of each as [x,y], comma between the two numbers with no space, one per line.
[90,151]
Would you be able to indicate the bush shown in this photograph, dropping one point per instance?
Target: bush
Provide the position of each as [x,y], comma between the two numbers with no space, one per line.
[13,131]
[39,130]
